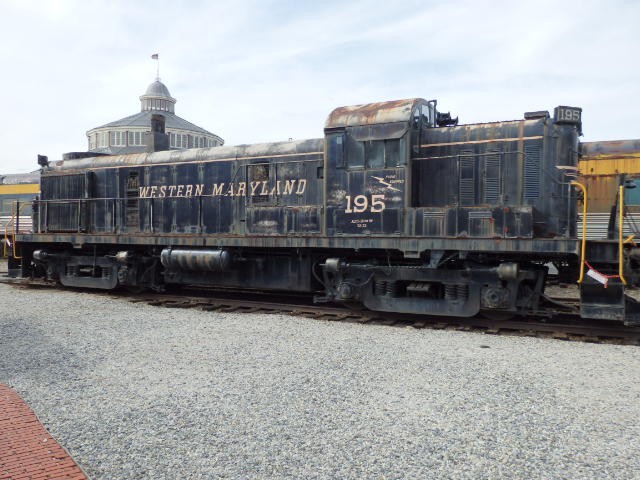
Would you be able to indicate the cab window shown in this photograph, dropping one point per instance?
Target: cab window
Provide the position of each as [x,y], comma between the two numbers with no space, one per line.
[336,149]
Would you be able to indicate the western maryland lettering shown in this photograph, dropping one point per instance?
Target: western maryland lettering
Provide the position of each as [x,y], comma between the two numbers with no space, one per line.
[233,189]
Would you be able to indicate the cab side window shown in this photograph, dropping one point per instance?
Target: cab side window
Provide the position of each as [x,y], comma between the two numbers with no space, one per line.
[336,149]
[355,153]
[375,154]
[259,175]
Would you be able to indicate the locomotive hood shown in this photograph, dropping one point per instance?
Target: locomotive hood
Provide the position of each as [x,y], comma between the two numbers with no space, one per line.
[192,155]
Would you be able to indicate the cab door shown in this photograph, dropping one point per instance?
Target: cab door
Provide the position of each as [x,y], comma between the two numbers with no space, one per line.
[366,180]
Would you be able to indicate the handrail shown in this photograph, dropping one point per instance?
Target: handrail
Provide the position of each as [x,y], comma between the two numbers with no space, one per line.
[583,247]
[620,237]
[6,232]
[14,214]
[6,240]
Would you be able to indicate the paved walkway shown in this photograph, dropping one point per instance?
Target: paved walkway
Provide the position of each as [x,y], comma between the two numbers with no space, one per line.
[27,450]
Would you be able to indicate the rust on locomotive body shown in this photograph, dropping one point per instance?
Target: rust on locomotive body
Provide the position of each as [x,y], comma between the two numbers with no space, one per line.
[397,208]
[373,113]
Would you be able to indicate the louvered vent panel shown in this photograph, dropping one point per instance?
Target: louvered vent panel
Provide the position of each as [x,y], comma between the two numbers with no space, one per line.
[492,178]
[532,170]
[466,185]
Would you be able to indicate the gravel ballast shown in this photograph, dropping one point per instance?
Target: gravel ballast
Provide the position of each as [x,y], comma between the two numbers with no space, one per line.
[134,391]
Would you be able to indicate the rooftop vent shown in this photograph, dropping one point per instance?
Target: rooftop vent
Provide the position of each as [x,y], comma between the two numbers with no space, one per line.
[539,114]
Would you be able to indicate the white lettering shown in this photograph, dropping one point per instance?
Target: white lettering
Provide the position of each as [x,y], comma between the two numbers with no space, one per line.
[377,203]
[240,189]
[288,186]
[254,187]
[360,203]
[217,189]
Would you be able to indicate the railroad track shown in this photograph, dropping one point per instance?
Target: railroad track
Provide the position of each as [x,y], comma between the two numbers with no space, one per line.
[560,327]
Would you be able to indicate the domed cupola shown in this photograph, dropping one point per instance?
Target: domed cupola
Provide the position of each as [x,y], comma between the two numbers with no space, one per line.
[157,97]
[130,134]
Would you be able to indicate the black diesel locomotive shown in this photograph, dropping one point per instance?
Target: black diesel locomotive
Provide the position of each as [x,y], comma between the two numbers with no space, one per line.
[397,208]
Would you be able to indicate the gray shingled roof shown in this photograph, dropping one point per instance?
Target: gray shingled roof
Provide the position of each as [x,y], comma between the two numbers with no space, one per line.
[143,119]
[158,89]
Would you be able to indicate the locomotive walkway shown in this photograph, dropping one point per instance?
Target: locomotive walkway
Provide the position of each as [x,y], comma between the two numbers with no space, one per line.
[27,450]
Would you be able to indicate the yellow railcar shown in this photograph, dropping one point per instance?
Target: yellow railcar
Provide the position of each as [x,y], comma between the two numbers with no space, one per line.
[16,195]
[600,168]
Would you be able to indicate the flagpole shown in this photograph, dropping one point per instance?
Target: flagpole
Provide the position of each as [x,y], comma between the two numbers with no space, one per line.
[156,57]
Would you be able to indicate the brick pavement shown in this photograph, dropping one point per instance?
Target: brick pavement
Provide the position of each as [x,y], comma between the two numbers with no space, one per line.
[27,450]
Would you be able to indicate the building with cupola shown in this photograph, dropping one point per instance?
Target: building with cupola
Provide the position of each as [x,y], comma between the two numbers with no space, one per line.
[129,134]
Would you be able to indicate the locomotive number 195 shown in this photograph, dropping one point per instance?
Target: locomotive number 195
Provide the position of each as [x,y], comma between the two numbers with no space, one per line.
[360,203]
[568,114]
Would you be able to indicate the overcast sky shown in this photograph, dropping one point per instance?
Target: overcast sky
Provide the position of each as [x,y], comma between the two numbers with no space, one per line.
[257,71]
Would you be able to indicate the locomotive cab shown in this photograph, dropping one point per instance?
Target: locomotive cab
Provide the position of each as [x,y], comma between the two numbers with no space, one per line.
[368,152]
